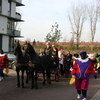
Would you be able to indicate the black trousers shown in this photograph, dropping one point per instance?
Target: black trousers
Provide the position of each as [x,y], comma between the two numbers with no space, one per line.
[61,69]
[84,92]
[1,73]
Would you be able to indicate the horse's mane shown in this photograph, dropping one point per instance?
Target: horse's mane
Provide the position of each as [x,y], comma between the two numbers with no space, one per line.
[20,51]
[31,51]
[31,48]
[17,51]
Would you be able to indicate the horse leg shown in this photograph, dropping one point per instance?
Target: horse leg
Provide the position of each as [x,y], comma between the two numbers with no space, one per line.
[48,76]
[18,78]
[43,72]
[22,79]
[35,87]
[27,76]
[32,78]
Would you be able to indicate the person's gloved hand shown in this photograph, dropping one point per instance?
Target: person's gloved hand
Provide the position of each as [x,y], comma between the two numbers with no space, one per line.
[95,76]
[73,76]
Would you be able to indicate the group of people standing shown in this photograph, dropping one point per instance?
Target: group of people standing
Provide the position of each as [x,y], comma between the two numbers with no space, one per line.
[81,67]
[77,65]
[63,60]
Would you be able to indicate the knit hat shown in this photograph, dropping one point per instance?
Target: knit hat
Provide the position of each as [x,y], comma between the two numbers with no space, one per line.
[82,52]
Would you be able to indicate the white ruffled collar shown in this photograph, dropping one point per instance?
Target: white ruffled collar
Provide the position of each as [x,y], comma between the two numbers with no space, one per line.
[2,54]
[83,60]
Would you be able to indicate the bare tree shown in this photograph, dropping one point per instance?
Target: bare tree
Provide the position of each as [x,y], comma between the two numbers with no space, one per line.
[77,17]
[93,13]
[65,39]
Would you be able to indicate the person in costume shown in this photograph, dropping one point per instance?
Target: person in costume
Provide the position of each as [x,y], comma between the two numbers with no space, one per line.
[74,58]
[3,63]
[98,63]
[82,69]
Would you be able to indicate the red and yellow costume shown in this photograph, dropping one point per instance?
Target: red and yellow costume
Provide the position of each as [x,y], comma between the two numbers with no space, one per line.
[3,62]
[82,70]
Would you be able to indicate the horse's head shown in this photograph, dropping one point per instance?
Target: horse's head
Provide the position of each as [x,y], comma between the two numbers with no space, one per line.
[17,49]
[26,48]
[29,50]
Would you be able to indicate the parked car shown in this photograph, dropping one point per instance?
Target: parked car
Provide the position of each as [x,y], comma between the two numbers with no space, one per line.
[12,60]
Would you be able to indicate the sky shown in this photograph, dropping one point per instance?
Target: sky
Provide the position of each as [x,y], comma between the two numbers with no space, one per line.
[40,15]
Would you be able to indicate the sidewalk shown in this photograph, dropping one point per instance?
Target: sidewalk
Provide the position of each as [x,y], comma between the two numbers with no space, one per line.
[96,96]
[95,86]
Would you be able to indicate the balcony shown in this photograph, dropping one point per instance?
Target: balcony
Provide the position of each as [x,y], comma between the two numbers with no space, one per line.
[19,1]
[18,16]
[14,33]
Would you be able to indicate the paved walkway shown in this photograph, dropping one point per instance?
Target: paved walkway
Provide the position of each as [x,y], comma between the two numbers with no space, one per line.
[56,91]
[96,96]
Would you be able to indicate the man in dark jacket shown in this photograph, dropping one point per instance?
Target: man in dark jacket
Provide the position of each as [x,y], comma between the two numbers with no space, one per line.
[68,62]
[47,49]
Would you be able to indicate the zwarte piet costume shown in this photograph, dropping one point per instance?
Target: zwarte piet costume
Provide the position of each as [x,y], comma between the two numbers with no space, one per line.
[82,70]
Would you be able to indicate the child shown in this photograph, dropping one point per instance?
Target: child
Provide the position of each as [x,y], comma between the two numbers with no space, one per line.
[82,69]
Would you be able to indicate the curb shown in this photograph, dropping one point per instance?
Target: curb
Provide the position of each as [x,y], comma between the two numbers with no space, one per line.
[96,96]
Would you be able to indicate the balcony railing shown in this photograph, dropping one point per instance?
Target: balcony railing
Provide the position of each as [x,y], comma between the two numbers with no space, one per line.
[18,16]
[0,9]
[13,32]
[16,33]
[20,1]
[10,32]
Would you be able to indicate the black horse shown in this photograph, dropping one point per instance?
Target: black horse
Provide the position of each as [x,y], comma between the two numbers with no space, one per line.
[39,63]
[21,64]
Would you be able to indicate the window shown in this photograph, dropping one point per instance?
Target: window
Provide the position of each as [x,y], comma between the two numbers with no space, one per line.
[0,2]
[10,24]
[0,6]
[11,44]
[9,7]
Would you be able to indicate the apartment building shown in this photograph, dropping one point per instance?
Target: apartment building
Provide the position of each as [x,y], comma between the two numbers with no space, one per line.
[8,18]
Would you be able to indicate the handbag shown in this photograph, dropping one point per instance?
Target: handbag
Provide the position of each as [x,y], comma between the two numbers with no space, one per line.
[72,80]
[6,70]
